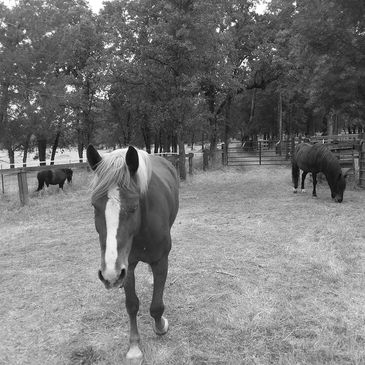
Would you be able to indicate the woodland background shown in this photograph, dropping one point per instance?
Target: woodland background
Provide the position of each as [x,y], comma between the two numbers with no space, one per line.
[162,73]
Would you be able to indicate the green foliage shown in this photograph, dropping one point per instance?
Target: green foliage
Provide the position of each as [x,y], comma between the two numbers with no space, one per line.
[154,72]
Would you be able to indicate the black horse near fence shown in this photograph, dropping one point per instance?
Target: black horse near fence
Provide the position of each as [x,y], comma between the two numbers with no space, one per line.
[54,177]
[318,158]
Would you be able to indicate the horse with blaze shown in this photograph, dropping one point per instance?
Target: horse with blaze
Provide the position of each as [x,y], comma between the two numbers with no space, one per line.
[318,158]
[135,199]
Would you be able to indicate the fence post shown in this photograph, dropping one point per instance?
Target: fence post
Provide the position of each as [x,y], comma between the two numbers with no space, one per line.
[362,164]
[191,155]
[23,187]
[259,142]
[2,184]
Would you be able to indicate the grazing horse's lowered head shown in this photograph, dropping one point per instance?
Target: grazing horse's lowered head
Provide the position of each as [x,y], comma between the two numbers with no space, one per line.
[69,174]
[135,199]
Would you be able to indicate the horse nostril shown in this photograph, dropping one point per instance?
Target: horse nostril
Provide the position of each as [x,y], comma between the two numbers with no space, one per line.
[122,274]
[100,275]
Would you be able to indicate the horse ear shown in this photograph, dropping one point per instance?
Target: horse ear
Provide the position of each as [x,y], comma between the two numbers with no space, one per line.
[131,159]
[93,157]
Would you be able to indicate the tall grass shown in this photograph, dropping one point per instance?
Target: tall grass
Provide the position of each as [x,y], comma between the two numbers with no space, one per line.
[257,275]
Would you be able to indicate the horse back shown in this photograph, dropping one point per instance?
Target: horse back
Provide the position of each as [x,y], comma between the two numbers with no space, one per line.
[316,158]
[44,175]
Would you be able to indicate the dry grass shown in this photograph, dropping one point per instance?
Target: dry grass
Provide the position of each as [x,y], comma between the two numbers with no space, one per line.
[258,275]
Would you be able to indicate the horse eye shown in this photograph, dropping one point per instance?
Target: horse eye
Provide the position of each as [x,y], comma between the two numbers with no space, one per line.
[132,208]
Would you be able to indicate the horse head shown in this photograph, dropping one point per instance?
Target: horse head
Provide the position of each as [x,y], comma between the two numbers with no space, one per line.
[339,187]
[116,201]
[69,174]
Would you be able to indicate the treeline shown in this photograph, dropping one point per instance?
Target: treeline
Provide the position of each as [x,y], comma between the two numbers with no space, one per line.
[164,72]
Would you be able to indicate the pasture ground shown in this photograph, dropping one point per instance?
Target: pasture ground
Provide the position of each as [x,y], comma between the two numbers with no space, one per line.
[258,275]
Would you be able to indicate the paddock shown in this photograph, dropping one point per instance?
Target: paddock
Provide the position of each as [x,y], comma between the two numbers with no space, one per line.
[258,275]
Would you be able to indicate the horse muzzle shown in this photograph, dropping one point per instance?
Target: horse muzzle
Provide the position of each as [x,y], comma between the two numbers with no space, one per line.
[115,280]
[338,199]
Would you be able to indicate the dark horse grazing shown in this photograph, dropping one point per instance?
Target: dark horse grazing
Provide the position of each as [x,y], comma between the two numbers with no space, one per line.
[54,177]
[318,158]
[135,199]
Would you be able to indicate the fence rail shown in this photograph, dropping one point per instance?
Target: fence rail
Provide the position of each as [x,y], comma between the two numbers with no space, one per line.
[22,172]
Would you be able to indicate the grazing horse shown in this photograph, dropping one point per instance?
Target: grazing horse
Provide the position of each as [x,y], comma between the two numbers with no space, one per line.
[318,158]
[53,177]
[135,199]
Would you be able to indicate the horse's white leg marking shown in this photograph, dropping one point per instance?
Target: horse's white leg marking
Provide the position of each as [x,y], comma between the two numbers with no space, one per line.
[303,190]
[134,355]
[112,211]
[294,190]
[150,276]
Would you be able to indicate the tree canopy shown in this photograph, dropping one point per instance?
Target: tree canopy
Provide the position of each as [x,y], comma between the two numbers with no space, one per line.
[160,73]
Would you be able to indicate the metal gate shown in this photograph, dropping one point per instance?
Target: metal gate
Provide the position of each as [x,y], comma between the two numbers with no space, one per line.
[263,152]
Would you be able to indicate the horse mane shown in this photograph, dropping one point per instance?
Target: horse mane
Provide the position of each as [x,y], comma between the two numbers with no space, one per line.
[112,170]
[330,159]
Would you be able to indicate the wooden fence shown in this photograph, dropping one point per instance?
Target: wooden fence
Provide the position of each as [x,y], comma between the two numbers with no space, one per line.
[21,173]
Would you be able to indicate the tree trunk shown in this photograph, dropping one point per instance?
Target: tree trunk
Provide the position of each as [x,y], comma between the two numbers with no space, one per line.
[80,144]
[330,123]
[157,141]
[182,168]
[11,155]
[26,148]
[55,146]
[227,123]
[147,137]
[280,122]
[175,141]
[4,107]
[253,106]
[42,148]
[213,139]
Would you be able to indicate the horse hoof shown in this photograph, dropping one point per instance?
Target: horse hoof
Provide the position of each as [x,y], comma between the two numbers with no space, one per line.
[303,190]
[294,190]
[163,330]
[134,356]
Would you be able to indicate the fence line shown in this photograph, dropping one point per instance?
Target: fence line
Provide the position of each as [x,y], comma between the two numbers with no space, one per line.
[21,172]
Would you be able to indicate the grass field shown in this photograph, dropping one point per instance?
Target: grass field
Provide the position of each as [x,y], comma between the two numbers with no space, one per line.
[258,275]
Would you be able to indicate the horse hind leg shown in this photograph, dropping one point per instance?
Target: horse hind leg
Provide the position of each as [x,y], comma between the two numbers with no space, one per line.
[314,176]
[157,308]
[134,355]
[304,174]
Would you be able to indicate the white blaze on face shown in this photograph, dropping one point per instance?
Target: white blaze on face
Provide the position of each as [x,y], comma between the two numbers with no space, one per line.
[112,211]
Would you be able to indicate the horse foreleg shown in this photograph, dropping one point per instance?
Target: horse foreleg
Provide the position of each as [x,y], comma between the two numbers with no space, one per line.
[159,270]
[314,176]
[295,176]
[304,174]
[134,355]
